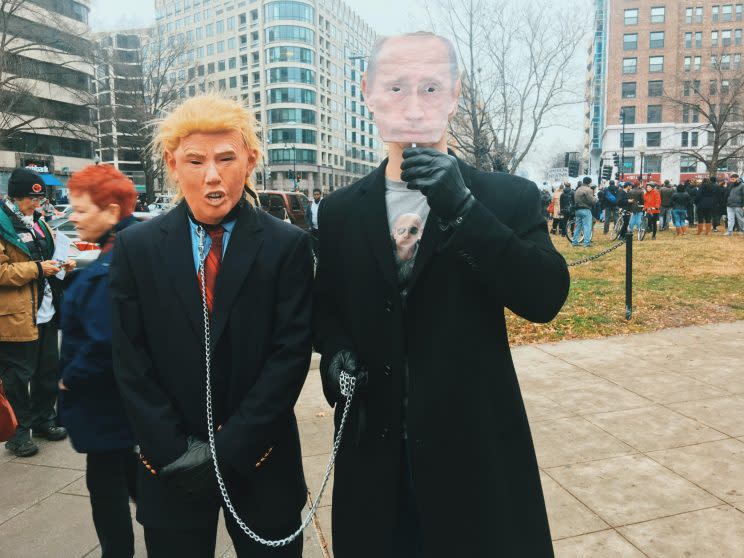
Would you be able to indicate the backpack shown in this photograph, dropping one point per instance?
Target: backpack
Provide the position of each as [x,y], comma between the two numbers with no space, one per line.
[610,197]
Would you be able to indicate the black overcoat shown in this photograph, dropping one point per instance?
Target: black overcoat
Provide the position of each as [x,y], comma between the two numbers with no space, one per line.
[262,346]
[473,462]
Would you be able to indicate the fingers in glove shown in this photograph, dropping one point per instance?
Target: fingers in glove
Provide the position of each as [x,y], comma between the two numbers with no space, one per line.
[415,173]
[414,151]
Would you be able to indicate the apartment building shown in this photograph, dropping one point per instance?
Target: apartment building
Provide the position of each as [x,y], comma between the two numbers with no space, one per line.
[48,127]
[657,53]
[298,65]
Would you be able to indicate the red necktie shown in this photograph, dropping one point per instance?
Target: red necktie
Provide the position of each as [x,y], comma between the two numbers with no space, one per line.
[212,263]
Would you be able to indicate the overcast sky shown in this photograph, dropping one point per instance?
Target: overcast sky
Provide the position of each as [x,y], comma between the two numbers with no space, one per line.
[387,18]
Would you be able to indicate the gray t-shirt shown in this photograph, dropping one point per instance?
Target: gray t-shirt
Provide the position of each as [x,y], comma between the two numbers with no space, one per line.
[407,212]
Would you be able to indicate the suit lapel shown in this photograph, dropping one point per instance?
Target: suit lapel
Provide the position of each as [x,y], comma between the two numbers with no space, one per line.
[177,252]
[243,247]
[435,235]
[375,221]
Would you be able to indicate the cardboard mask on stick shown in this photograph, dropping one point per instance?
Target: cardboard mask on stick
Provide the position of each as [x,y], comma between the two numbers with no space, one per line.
[412,87]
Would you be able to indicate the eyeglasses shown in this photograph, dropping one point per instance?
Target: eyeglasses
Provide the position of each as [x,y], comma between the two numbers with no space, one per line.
[413,230]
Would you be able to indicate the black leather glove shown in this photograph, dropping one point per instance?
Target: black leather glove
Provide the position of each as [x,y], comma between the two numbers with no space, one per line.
[344,361]
[193,472]
[437,176]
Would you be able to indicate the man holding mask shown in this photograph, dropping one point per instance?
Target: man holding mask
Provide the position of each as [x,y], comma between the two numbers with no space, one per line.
[438,459]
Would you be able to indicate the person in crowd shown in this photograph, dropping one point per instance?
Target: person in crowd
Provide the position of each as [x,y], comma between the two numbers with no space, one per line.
[557,224]
[47,209]
[213,280]
[90,406]
[680,204]
[610,205]
[706,201]
[585,201]
[485,246]
[735,206]
[652,207]
[665,217]
[30,297]
[567,205]
[311,217]
[635,202]
[692,189]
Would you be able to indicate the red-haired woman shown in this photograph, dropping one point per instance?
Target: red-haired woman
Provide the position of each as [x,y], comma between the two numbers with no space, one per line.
[90,405]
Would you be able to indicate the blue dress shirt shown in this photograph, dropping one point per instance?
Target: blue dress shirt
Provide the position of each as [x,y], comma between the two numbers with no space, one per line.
[208,241]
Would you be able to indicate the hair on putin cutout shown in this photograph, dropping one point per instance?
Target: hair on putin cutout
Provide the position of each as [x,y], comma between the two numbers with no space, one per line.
[210,113]
[105,185]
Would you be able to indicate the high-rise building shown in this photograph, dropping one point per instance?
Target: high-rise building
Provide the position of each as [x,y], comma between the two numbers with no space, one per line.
[594,91]
[120,96]
[45,114]
[657,54]
[298,65]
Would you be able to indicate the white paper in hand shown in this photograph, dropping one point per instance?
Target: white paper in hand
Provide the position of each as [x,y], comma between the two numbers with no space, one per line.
[61,251]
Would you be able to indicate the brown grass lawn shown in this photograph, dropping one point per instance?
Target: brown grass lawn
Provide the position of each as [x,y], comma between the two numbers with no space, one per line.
[676,282]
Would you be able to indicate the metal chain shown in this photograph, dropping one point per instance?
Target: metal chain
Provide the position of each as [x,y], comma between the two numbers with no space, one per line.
[598,255]
[346,381]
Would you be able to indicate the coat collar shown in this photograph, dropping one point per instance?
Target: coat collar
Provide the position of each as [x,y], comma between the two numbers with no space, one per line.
[377,227]
[244,245]
[7,232]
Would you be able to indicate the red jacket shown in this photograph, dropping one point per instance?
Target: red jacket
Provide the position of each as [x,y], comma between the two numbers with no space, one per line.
[652,201]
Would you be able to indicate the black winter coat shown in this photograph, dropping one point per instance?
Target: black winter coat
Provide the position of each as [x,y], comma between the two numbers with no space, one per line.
[707,197]
[261,344]
[473,464]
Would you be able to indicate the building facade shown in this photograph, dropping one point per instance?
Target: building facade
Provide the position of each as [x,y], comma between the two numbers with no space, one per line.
[48,127]
[657,51]
[298,65]
[120,92]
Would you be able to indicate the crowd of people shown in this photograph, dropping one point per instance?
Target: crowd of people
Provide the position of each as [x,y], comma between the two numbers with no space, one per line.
[709,205]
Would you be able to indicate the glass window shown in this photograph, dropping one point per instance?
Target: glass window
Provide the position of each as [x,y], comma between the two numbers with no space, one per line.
[233,82]
[221,66]
[630,65]
[629,90]
[687,163]
[656,39]
[231,23]
[279,156]
[290,75]
[629,114]
[292,135]
[297,11]
[652,163]
[630,41]
[699,14]
[291,95]
[688,63]
[688,15]
[725,61]
[655,88]
[713,88]
[714,38]
[716,11]
[285,115]
[656,64]
[688,40]
[725,86]
[210,30]
[738,12]
[657,14]
[629,163]
[631,16]
[290,54]
[210,50]
[653,139]
[737,61]
[290,33]
[231,44]
[698,39]
[627,139]
[727,12]
[232,63]
[696,63]
[653,114]
[220,27]
[726,38]
[737,37]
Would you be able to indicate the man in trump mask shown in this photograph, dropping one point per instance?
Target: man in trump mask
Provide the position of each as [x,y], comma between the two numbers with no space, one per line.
[438,460]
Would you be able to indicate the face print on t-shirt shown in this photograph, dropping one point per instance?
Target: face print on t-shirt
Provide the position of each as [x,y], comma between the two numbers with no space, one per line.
[406,234]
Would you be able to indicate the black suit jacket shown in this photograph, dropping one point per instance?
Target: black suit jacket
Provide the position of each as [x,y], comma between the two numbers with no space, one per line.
[468,435]
[261,351]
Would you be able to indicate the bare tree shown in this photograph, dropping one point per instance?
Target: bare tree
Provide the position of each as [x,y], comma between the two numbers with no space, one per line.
[710,109]
[519,73]
[38,48]
[161,78]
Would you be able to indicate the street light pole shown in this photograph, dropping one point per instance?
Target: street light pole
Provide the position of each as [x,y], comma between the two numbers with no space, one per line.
[622,144]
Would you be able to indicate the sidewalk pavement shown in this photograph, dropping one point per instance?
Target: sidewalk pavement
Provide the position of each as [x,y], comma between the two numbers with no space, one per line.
[640,441]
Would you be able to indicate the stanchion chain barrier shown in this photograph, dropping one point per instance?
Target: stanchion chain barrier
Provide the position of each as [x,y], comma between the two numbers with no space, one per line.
[598,255]
[347,384]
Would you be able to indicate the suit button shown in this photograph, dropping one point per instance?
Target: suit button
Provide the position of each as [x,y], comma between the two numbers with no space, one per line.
[388,306]
[388,370]
[384,433]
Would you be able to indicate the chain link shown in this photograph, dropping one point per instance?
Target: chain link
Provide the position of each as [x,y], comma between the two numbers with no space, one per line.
[598,255]
[346,381]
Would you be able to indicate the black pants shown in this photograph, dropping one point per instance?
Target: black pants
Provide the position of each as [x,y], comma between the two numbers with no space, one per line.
[653,219]
[111,478]
[201,543]
[609,216]
[716,219]
[33,364]
[704,215]
[406,530]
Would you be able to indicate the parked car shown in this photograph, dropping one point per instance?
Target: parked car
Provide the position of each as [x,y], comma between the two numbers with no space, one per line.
[62,210]
[290,205]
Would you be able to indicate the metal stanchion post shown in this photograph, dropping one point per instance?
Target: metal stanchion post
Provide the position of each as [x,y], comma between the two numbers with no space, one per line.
[628,275]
